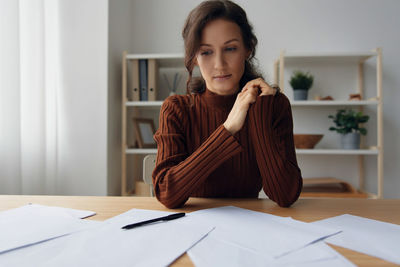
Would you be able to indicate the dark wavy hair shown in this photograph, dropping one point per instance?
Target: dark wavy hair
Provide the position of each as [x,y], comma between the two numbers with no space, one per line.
[196,21]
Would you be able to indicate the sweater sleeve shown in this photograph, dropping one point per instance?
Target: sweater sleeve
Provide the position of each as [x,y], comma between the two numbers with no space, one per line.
[177,174]
[271,131]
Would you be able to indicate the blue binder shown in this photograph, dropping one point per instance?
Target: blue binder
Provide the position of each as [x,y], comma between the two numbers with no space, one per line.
[143,77]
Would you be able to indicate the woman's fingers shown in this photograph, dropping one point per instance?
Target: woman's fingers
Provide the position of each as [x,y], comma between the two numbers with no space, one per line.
[268,91]
[245,98]
[238,113]
[248,95]
[261,85]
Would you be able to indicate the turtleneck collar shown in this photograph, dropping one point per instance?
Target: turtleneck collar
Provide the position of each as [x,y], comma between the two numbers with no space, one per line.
[218,101]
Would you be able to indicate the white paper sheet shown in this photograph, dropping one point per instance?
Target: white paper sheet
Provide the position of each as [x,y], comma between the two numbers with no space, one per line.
[78,214]
[213,252]
[376,238]
[317,254]
[335,260]
[40,252]
[260,232]
[107,244]
[30,224]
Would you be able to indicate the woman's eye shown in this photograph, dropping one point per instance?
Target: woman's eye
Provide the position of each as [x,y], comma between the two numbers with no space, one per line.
[230,49]
[205,53]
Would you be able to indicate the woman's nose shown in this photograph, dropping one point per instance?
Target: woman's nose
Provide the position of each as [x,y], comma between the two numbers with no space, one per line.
[219,61]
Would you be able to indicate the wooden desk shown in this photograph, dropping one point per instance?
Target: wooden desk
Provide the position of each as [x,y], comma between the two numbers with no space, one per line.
[306,210]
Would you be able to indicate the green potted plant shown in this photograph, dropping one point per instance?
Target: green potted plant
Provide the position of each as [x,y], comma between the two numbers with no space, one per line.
[301,82]
[348,125]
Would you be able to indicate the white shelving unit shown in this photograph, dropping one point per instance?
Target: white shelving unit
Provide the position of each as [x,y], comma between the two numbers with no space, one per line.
[176,61]
[144,151]
[132,157]
[153,104]
[337,151]
[376,101]
[334,103]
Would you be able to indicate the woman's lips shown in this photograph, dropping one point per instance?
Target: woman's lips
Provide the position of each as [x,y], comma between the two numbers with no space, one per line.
[222,77]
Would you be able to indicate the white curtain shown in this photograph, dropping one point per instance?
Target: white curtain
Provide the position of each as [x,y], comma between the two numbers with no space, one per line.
[29,89]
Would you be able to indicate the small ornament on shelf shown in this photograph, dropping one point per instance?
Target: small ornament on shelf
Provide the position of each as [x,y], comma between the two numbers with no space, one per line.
[172,89]
[356,97]
[323,98]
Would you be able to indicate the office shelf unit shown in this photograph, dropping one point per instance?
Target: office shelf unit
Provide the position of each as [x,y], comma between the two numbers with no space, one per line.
[132,156]
[332,60]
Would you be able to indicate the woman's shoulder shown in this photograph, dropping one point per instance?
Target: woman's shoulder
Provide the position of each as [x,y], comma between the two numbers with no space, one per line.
[178,99]
[281,103]
[178,102]
[282,100]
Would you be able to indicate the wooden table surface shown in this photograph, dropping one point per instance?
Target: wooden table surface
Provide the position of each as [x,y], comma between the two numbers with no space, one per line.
[306,210]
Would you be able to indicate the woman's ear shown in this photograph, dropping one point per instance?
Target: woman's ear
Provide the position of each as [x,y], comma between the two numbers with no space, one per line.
[248,54]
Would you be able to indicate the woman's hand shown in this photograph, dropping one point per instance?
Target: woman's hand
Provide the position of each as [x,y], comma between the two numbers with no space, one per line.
[248,95]
[265,88]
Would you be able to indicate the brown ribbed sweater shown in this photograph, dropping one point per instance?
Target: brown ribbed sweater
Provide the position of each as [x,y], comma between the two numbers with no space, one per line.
[198,157]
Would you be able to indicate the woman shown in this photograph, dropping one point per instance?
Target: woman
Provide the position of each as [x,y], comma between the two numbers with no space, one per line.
[232,134]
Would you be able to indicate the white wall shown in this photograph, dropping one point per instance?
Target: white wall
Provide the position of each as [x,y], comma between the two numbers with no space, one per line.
[82,139]
[82,122]
[120,38]
[95,32]
[10,182]
[304,26]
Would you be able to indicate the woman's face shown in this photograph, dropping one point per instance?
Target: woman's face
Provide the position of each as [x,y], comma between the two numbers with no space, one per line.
[222,56]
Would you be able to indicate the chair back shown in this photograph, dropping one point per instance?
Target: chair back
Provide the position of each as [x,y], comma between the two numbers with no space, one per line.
[149,163]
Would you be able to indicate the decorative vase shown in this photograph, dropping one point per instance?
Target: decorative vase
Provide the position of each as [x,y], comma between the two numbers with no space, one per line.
[300,94]
[350,141]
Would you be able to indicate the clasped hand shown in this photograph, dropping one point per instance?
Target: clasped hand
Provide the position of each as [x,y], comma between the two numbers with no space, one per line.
[248,95]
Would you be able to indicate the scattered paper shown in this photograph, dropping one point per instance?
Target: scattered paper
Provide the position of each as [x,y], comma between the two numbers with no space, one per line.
[213,252]
[36,235]
[78,214]
[106,244]
[42,252]
[317,254]
[376,238]
[260,232]
[30,224]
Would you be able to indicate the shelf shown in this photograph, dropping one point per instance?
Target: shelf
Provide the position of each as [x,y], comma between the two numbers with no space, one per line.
[156,56]
[132,158]
[293,103]
[175,62]
[164,60]
[337,151]
[298,151]
[144,151]
[144,104]
[334,103]
[328,57]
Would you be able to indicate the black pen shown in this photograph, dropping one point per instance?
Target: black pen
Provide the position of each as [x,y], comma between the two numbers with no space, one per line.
[165,218]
